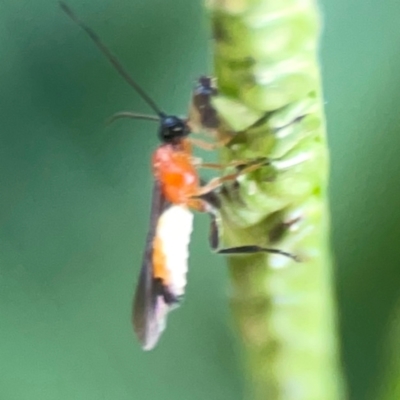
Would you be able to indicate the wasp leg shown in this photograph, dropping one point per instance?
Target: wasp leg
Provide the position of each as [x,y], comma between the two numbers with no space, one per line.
[211,207]
[251,249]
[218,182]
[212,166]
[202,144]
[206,200]
[236,163]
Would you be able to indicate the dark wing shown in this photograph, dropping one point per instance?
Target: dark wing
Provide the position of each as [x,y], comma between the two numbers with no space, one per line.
[150,309]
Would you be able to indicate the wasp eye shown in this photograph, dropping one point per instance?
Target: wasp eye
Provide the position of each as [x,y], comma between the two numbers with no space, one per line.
[172,128]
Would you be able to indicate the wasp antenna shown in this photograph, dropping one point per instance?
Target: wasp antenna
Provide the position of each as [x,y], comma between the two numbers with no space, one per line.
[111,58]
[131,115]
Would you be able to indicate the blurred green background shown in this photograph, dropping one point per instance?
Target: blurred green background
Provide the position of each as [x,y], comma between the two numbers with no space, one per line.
[75,197]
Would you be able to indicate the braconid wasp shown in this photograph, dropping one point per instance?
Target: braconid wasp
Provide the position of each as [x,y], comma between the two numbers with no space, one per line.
[177,191]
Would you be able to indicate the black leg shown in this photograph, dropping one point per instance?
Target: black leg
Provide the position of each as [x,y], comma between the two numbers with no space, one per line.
[250,249]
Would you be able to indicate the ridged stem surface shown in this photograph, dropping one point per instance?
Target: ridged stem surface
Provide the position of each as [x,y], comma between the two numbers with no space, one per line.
[266,64]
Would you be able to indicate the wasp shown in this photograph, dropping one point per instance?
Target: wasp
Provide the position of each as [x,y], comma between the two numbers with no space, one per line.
[178,190]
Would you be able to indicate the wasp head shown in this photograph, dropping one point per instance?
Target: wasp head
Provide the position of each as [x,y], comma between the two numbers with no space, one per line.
[172,129]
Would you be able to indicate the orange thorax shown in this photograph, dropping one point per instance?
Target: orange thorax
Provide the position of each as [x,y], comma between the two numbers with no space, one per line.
[174,169]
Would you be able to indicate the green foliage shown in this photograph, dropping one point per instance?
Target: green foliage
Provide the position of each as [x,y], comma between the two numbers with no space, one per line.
[75,197]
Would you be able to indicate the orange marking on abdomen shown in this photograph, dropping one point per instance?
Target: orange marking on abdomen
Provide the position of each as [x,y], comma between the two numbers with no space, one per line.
[160,269]
[174,169]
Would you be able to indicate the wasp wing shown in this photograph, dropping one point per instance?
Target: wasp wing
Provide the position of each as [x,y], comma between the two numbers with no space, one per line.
[162,278]
[147,317]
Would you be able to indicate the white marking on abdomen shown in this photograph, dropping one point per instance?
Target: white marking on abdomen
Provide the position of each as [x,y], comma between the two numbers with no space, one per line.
[174,228]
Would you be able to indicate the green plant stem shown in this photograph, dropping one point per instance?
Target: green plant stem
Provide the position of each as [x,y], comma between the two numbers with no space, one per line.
[390,386]
[266,64]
